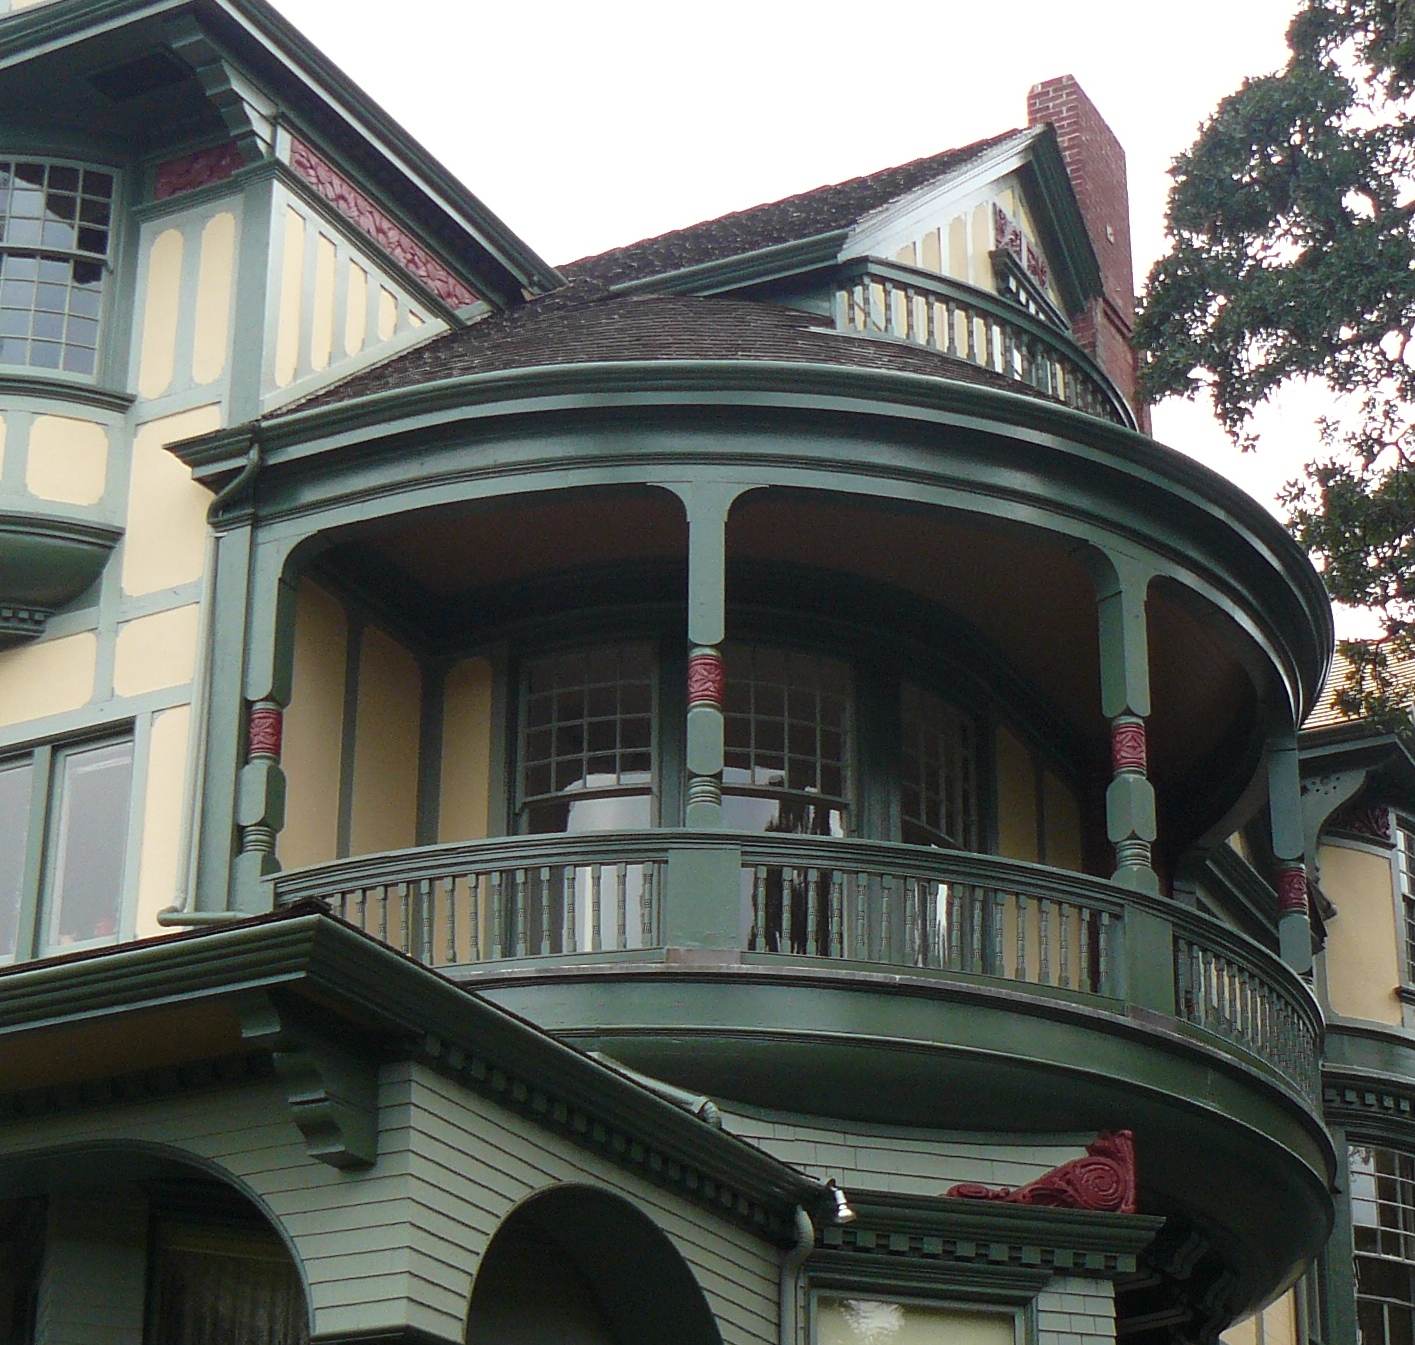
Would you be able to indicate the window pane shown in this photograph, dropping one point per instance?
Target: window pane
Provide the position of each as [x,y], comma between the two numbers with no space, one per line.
[938,762]
[14,830]
[864,1321]
[587,736]
[90,843]
[787,737]
[1383,1215]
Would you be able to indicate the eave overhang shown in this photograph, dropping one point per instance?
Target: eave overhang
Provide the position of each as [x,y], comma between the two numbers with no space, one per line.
[332,106]
[389,1007]
[1386,756]
[1225,519]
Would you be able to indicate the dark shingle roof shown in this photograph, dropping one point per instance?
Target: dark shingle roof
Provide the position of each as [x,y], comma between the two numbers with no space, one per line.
[579,325]
[820,211]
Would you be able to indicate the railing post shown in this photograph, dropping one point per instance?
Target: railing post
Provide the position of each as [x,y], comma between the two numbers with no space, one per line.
[701,903]
[1147,960]
[1289,850]
[1121,587]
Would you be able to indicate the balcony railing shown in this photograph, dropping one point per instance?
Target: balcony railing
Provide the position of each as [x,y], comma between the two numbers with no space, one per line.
[581,897]
[970,324]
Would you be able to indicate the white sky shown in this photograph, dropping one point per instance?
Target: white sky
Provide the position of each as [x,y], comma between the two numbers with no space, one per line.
[586,124]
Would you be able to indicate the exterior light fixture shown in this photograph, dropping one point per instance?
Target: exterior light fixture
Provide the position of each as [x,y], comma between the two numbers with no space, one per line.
[843,1214]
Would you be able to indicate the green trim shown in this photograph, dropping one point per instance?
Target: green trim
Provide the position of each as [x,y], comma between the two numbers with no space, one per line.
[46,562]
[1062,224]
[59,389]
[778,262]
[422,1016]
[992,1236]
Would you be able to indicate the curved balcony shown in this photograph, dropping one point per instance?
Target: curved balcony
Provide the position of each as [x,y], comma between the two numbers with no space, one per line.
[898,983]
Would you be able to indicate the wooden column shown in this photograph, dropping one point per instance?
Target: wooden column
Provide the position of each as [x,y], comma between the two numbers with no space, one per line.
[1289,850]
[1121,586]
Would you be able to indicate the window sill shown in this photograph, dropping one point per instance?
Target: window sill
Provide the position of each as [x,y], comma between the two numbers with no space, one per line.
[17,381]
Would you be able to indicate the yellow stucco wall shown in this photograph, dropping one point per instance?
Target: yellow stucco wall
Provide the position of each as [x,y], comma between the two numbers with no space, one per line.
[466,752]
[1275,1325]
[314,727]
[159,881]
[157,356]
[165,543]
[1016,799]
[156,651]
[215,273]
[292,280]
[386,747]
[322,335]
[1063,824]
[47,678]
[67,460]
[1363,942]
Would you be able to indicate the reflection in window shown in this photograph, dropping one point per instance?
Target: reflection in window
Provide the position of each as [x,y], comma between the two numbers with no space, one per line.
[54,237]
[788,724]
[1405,837]
[15,791]
[1383,1228]
[587,740]
[866,1321]
[90,843]
[219,1287]
[940,773]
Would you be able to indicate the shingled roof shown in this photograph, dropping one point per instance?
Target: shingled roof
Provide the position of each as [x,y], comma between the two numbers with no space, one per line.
[820,211]
[580,324]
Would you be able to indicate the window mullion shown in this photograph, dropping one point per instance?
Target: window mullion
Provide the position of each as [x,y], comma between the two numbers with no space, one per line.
[36,837]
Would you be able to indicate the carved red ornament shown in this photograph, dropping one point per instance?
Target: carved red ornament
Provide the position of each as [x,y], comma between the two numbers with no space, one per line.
[1128,750]
[1364,820]
[264,732]
[707,679]
[214,164]
[1103,1181]
[1292,889]
[350,202]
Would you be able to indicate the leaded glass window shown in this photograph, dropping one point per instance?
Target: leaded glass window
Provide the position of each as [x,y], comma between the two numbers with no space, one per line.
[1383,1229]
[55,230]
[787,741]
[939,762]
[587,740]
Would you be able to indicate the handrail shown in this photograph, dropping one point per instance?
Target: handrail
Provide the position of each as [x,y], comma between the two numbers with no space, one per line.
[908,906]
[995,334]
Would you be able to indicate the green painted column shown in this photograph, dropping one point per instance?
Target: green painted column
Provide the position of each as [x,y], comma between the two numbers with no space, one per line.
[707,505]
[1289,850]
[1121,587]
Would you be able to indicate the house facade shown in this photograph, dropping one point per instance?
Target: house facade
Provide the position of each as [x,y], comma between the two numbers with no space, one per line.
[723,791]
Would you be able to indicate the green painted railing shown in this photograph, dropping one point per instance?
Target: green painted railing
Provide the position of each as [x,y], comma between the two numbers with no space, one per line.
[884,299]
[574,896]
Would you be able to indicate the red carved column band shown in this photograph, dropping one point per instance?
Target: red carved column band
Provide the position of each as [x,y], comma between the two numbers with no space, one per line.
[707,678]
[1292,889]
[199,169]
[265,732]
[1128,748]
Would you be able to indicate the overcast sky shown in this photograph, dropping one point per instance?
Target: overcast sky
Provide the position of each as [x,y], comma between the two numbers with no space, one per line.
[590,124]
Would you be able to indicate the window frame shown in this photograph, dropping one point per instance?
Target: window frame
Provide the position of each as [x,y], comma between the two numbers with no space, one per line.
[34,908]
[1406,1231]
[110,312]
[1019,1304]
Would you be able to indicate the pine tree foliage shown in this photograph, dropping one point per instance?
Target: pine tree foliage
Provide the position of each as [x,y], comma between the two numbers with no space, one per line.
[1292,220]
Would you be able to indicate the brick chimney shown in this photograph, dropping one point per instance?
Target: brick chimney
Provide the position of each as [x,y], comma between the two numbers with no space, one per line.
[1096,164]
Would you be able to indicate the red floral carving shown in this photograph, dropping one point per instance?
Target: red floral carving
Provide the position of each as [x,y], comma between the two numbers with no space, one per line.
[1364,820]
[350,202]
[264,732]
[1128,750]
[1103,1181]
[214,164]
[706,679]
[1292,889]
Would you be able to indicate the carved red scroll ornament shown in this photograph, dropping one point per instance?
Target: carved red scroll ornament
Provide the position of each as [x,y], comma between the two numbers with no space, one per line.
[1103,1181]
[204,166]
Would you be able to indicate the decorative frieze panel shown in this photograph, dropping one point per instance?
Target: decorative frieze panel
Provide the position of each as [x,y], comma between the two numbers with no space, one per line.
[401,246]
[200,168]
[1103,1181]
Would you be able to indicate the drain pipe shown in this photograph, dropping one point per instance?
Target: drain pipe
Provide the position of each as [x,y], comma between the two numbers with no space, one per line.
[789,1312]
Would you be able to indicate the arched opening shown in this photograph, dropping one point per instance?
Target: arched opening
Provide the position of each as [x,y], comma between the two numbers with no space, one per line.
[176,1255]
[578,1266]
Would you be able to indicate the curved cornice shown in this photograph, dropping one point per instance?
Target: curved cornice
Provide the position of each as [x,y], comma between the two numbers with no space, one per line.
[46,561]
[1217,506]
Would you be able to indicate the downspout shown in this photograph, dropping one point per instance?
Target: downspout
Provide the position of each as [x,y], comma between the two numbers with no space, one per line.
[196,752]
[789,1308]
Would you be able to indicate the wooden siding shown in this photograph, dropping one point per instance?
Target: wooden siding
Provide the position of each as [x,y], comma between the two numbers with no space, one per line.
[399,1244]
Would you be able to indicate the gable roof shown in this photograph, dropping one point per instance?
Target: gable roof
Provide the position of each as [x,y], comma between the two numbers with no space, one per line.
[49,53]
[823,210]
